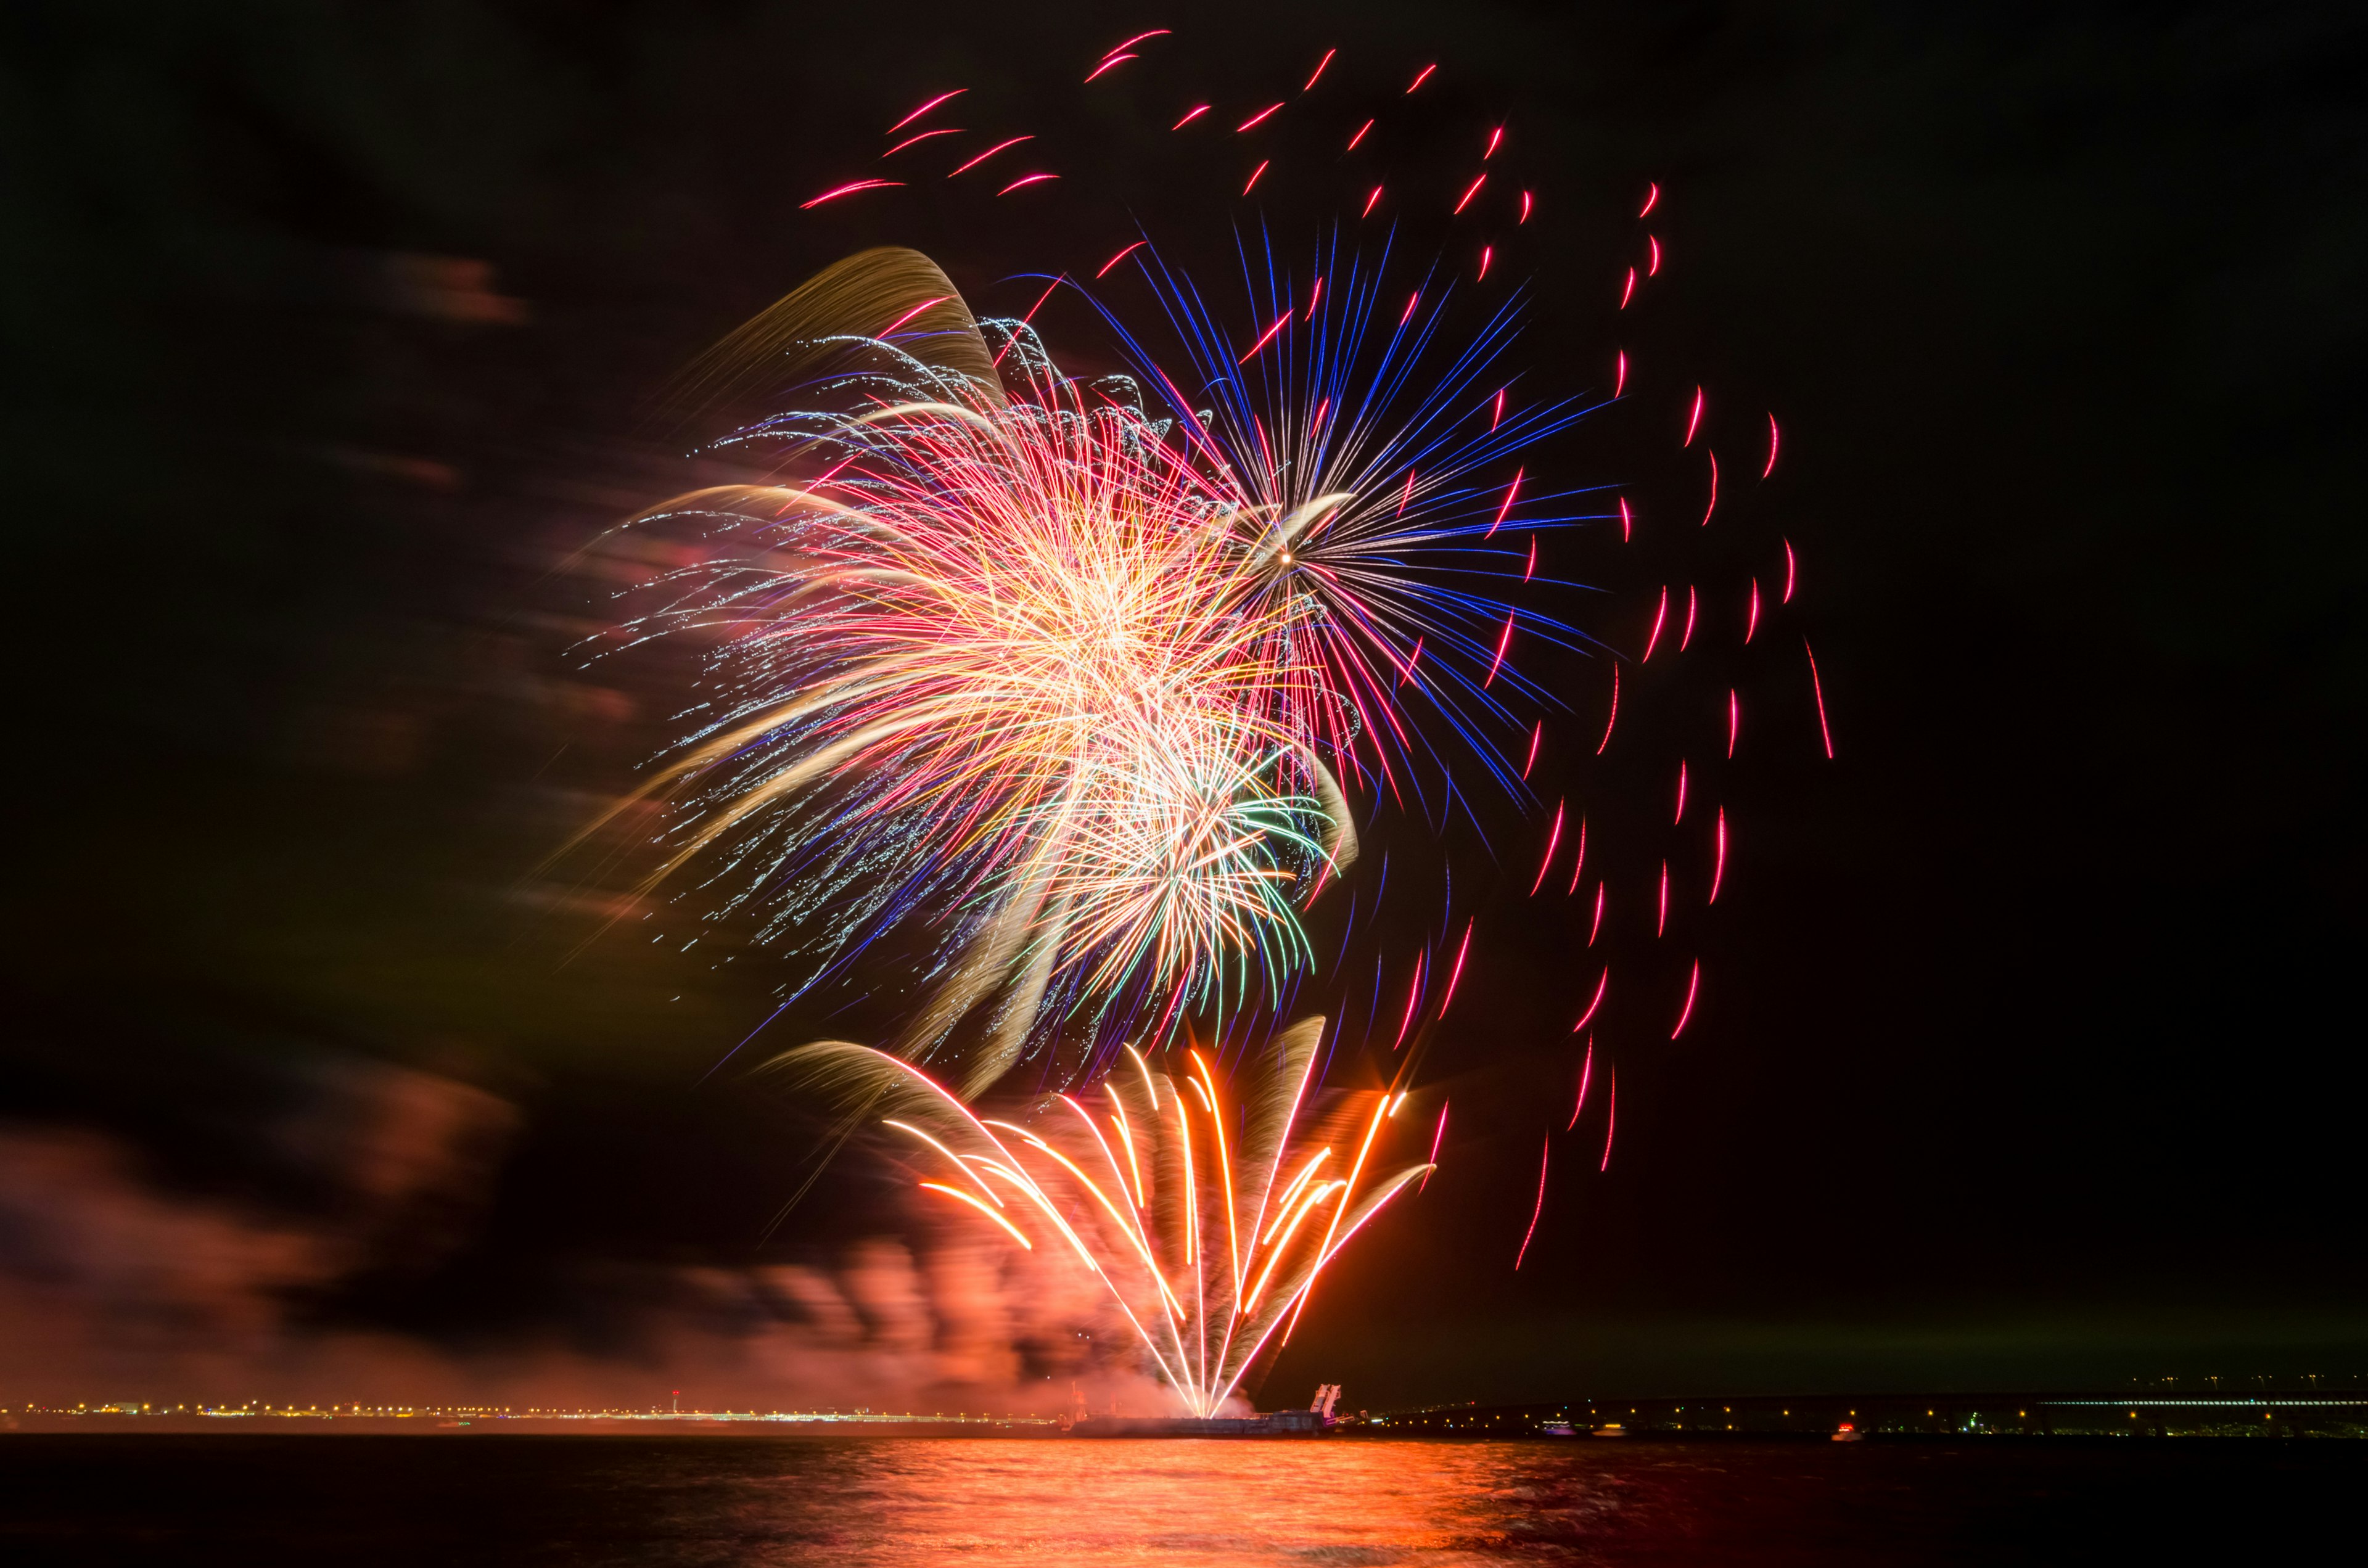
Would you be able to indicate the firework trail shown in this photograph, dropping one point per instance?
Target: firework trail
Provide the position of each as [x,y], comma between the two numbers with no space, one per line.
[1209,1242]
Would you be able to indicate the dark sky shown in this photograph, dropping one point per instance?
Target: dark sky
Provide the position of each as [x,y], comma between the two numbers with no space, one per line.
[2030,1051]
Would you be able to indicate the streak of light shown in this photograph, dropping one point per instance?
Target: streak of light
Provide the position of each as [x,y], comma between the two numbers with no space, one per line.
[1537,733]
[1613,717]
[1620,379]
[1653,638]
[1611,1118]
[1681,792]
[1438,1136]
[924,136]
[1734,719]
[1496,140]
[1651,197]
[925,108]
[1543,1158]
[1718,865]
[1319,69]
[1771,448]
[1469,192]
[1268,335]
[1817,689]
[1360,136]
[1255,174]
[1025,180]
[1511,491]
[1503,642]
[1692,604]
[1586,1073]
[1488,254]
[1139,37]
[1195,113]
[1653,267]
[990,153]
[849,190]
[1628,289]
[1751,621]
[1661,921]
[1627,521]
[1602,984]
[1314,297]
[1422,77]
[1368,212]
[1113,62]
[1553,839]
[1693,989]
[1457,972]
[1579,864]
[1263,115]
[1526,204]
[1693,419]
[1789,565]
[1596,926]
[1712,504]
[1121,257]
[1414,995]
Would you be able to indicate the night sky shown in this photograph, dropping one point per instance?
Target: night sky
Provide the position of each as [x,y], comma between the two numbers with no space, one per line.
[2028,1051]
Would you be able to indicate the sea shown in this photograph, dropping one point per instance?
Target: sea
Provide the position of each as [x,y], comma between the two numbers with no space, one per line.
[590,1500]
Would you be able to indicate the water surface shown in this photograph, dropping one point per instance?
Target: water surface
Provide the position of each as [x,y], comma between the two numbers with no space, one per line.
[597,1500]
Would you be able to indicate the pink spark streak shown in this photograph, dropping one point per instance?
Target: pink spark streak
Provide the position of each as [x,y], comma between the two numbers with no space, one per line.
[1652,639]
[924,136]
[990,153]
[1502,644]
[1694,988]
[1311,82]
[1254,174]
[1425,76]
[1718,866]
[1359,136]
[1586,1072]
[1457,972]
[1693,419]
[1602,986]
[1115,60]
[1190,116]
[925,108]
[1543,1158]
[849,190]
[1613,717]
[1024,180]
[1510,491]
[1554,838]
[1121,257]
[1771,448]
[1817,687]
[1280,323]
[1611,1118]
[1262,114]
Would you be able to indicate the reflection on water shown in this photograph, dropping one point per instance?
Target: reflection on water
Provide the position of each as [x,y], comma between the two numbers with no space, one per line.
[732,1502]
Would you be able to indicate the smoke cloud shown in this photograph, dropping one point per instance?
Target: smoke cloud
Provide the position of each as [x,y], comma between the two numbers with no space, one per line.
[117,1284]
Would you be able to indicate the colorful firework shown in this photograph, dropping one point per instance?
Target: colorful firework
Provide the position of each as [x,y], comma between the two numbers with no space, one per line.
[1208,1243]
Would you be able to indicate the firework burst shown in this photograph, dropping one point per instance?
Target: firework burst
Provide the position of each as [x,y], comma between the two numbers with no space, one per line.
[1207,1243]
